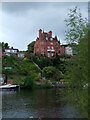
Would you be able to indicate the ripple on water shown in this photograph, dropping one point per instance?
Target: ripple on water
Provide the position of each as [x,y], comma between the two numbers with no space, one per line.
[39,103]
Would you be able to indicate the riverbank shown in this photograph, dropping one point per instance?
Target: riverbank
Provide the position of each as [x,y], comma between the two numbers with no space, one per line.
[35,84]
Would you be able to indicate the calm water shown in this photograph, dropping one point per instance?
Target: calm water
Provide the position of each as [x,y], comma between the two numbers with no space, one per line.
[47,103]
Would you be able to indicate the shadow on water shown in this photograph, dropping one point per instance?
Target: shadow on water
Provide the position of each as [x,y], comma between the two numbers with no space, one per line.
[44,103]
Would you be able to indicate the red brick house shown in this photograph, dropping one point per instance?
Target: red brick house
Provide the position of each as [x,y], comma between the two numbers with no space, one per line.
[47,45]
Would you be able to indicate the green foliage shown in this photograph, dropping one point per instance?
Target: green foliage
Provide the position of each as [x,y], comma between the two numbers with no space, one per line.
[51,72]
[77,67]
[18,79]
[29,82]
[75,26]
[4,45]
[8,62]
[59,63]
[31,47]
[48,84]
[0,45]
[8,71]
[42,61]
[20,68]
[79,98]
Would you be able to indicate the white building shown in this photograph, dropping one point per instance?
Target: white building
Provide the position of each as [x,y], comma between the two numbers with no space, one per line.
[68,50]
[21,55]
[11,52]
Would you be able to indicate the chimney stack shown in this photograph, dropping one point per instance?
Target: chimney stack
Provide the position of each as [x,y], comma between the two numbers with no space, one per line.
[40,32]
[50,33]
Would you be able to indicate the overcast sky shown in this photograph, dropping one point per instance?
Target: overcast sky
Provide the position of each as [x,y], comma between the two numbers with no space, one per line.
[21,21]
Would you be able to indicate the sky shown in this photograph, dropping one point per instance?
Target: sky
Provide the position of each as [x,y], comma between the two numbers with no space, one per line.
[20,21]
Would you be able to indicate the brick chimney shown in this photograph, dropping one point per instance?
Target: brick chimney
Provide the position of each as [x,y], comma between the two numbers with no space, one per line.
[40,33]
[50,33]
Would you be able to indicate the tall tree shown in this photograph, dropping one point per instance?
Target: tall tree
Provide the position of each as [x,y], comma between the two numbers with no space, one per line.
[31,47]
[78,32]
[77,69]
[4,45]
[75,26]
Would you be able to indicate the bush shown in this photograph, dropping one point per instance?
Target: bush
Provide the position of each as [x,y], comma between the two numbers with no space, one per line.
[29,82]
[42,61]
[30,79]
[48,84]
[52,73]
[18,79]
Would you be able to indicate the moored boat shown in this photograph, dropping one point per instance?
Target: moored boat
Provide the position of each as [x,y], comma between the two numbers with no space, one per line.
[9,87]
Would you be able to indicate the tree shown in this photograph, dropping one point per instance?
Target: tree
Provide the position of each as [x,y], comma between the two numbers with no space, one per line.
[31,47]
[4,45]
[52,73]
[77,68]
[77,32]
[29,82]
[75,26]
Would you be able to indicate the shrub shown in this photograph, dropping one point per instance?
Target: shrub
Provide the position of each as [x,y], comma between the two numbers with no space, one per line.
[51,72]
[30,79]
[29,82]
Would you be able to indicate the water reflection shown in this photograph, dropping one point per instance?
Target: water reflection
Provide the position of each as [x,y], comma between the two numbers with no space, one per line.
[47,103]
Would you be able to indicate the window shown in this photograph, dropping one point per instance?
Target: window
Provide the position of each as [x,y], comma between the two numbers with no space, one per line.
[46,38]
[7,50]
[52,47]
[52,54]
[48,47]
[48,54]
[13,51]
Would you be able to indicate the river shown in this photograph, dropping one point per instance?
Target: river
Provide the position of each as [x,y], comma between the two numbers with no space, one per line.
[43,103]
